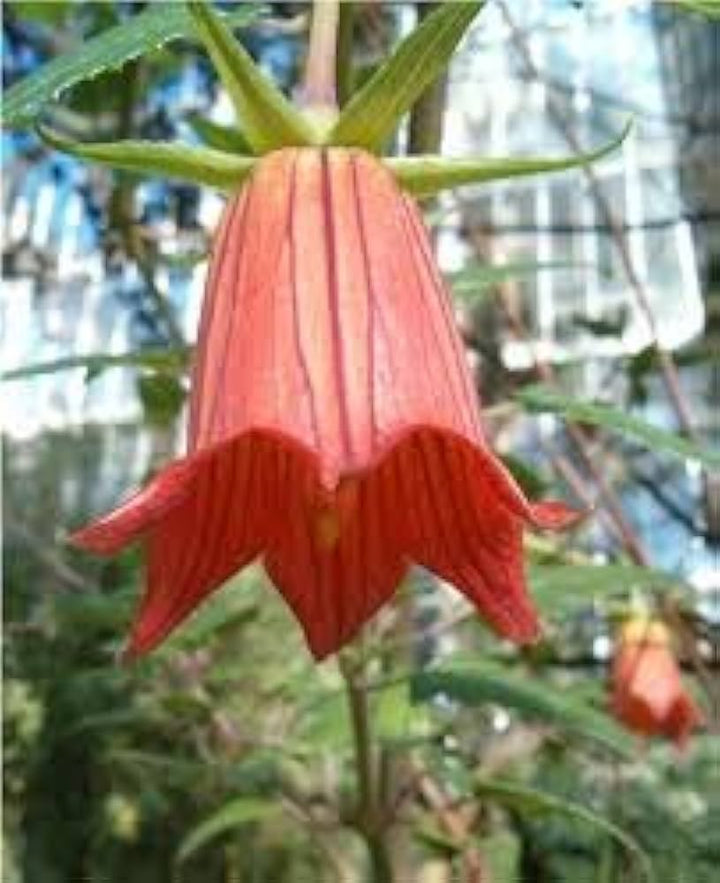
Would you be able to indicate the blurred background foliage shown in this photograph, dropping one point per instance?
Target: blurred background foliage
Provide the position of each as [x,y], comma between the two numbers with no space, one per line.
[228,755]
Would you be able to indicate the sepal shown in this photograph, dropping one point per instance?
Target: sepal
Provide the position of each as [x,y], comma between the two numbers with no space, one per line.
[266,117]
[371,115]
[428,175]
[201,165]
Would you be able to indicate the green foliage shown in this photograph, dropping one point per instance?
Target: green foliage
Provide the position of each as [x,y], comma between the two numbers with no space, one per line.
[370,116]
[237,812]
[162,359]
[428,175]
[162,397]
[541,399]
[561,588]
[201,165]
[476,684]
[145,32]
[709,8]
[530,479]
[475,281]
[228,138]
[669,804]
[268,120]
[532,802]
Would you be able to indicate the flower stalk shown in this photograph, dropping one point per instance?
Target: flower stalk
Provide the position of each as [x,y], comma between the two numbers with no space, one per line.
[370,812]
[318,94]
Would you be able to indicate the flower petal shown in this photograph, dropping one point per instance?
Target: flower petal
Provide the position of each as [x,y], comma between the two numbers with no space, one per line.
[335,583]
[457,527]
[236,502]
[142,510]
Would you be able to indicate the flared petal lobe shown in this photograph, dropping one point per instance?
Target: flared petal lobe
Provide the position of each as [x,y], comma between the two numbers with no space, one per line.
[648,693]
[334,426]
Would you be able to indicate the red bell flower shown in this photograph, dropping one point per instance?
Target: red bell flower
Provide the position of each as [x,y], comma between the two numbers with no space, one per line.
[334,427]
[648,693]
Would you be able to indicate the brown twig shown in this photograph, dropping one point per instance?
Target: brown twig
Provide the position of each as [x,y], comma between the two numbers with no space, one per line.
[457,827]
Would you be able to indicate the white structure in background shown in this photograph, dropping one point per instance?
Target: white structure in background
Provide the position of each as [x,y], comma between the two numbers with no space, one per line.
[598,61]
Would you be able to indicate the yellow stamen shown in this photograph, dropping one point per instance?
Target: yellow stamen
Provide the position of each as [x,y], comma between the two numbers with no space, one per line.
[327,527]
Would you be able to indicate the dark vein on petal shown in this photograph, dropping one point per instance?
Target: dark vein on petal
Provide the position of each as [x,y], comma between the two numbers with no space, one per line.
[334,306]
[462,372]
[208,312]
[498,598]
[435,495]
[377,304]
[183,575]
[229,327]
[302,358]
[370,295]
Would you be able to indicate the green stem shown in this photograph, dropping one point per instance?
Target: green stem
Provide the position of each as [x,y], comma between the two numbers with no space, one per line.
[122,212]
[426,119]
[379,859]
[344,62]
[319,91]
[370,815]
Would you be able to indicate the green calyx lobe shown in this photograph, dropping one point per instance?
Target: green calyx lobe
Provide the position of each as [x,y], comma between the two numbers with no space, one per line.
[268,121]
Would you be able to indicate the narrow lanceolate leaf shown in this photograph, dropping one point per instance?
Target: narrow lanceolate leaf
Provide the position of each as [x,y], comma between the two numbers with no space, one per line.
[560,588]
[237,812]
[709,8]
[371,115]
[201,165]
[267,118]
[427,175]
[479,684]
[24,102]
[474,281]
[94,364]
[543,400]
[531,802]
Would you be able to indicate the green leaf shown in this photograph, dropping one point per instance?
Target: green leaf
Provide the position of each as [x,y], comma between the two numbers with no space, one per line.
[87,613]
[24,102]
[527,476]
[368,119]
[540,399]
[161,359]
[240,811]
[397,720]
[502,851]
[162,398]
[560,587]
[40,11]
[436,840]
[228,138]
[325,725]
[709,8]
[488,682]
[267,118]
[473,281]
[529,801]
[223,612]
[427,175]
[201,165]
